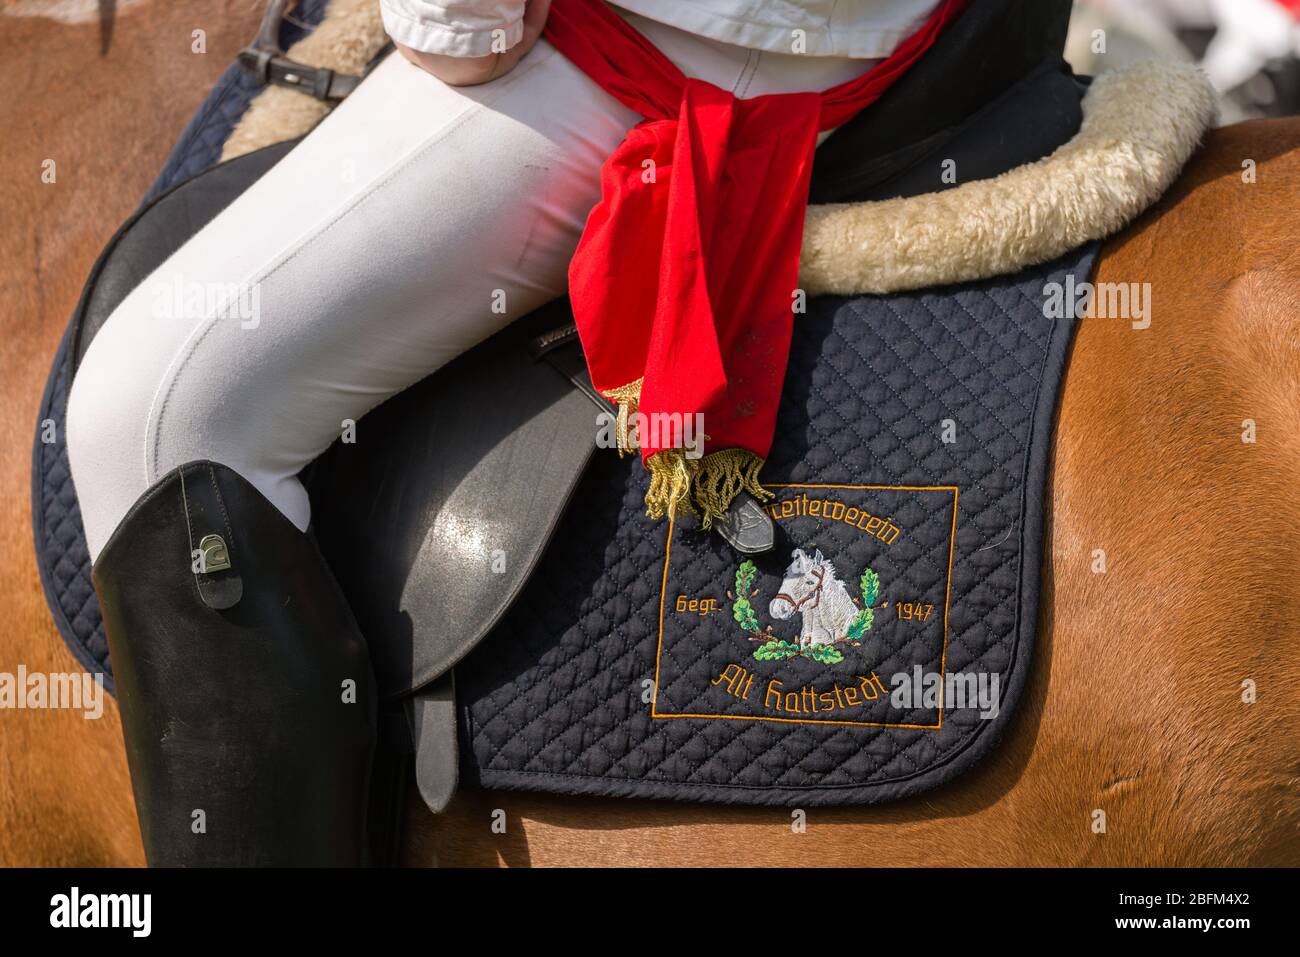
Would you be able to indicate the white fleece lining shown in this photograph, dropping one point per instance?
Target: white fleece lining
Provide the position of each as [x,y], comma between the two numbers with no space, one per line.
[1140,126]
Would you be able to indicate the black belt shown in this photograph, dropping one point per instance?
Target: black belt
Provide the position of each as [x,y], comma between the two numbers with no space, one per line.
[274,70]
[265,60]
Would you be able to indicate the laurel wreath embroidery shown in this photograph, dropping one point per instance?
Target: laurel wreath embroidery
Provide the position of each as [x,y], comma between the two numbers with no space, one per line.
[777,649]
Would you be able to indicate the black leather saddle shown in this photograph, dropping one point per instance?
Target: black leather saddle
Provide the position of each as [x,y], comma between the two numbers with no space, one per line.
[397,517]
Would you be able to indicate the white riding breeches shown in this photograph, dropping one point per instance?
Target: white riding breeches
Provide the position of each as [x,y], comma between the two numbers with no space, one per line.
[412,223]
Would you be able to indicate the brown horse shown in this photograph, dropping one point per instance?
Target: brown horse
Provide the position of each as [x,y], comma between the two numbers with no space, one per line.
[1175,455]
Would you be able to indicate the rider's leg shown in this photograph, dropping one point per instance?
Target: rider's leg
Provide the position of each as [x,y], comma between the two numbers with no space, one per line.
[414,222]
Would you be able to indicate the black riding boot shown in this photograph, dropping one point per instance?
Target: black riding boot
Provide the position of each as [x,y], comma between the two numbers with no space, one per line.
[247,698]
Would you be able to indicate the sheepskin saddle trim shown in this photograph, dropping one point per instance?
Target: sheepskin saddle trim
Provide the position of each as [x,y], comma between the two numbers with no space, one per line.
[1141,125]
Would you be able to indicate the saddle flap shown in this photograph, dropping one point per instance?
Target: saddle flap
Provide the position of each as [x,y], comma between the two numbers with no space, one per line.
[464,478]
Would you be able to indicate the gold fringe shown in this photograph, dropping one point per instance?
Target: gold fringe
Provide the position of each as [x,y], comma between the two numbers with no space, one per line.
[670,483]
[628,398]
[723,475]
[703,487]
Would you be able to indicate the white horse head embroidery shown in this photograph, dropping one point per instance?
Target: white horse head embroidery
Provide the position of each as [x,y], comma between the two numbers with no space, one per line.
[811,587]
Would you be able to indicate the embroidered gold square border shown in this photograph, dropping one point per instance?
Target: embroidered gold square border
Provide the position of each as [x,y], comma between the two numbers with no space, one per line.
[943,666]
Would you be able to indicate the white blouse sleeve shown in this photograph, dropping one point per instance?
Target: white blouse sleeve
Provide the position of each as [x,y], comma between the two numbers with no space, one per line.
[454,27]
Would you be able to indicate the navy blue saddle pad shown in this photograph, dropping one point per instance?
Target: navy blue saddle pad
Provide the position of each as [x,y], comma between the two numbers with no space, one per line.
[876,651]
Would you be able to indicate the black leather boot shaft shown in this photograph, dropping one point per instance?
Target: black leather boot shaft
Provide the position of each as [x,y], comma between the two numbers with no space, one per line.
[247,697]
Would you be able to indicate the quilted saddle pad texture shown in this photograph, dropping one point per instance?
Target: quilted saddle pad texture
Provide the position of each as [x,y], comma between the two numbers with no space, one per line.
[909,470]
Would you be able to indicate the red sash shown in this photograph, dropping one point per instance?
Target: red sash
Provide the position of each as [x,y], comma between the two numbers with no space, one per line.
[684,282]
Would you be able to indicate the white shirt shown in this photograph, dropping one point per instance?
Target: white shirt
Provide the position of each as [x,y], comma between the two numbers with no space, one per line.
[858,29]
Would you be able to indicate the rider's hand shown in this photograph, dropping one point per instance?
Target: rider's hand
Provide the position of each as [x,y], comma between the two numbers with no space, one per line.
[472,70]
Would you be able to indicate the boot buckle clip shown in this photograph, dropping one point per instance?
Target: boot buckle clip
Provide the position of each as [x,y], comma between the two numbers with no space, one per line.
[213,554]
